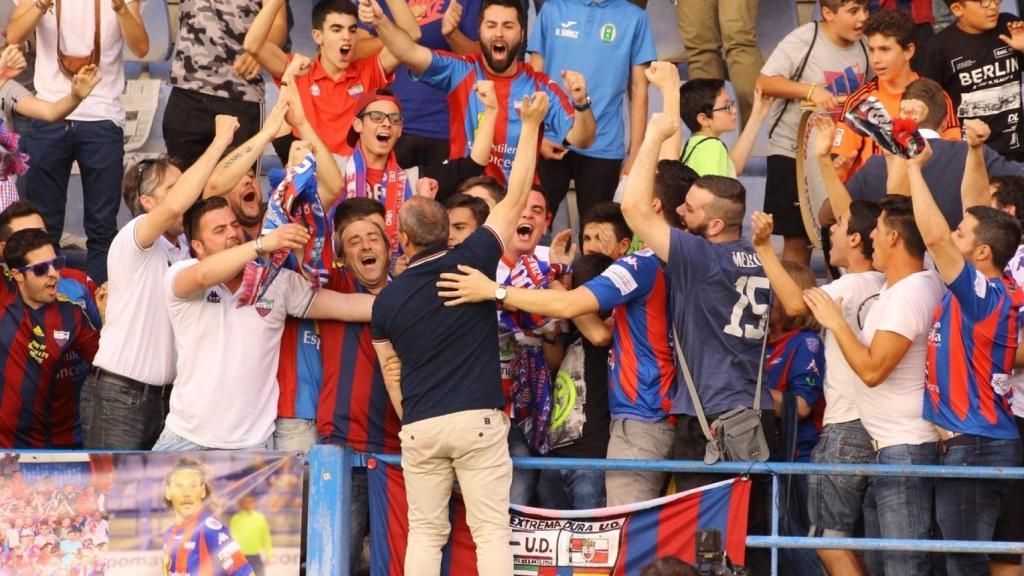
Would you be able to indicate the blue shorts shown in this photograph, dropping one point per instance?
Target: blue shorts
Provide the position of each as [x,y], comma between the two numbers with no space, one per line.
[834,502]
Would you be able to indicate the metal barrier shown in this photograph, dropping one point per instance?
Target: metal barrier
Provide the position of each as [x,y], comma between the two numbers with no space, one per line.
[330,484]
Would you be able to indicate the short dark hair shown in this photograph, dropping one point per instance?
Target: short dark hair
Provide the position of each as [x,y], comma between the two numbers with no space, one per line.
[589,266]
[353,209]
[898,214]
[893,24]
[997,230]
[698,97]
[671,183]
[194,214]
[933,96]
[730,198]
[669,567]
[327,7]
[16,209]
[494,189]
[608,213]
[21,243]
[835,5]
[520,13]
[863,219]
[142,179]
[1009,192]
[425,221]
[475,205]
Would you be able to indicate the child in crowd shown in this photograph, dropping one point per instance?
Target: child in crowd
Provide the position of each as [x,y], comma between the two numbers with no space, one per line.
[709,111]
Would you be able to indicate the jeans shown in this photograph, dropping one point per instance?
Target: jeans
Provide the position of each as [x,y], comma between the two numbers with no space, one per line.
[571,489]
[834,502]
[116,416]
[968,509]
[171,442]
[99,149]
[900,507]
[524,480]
[294,434]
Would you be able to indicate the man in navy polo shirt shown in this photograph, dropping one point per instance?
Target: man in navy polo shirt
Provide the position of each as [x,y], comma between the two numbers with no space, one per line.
[610,43]
[449,393]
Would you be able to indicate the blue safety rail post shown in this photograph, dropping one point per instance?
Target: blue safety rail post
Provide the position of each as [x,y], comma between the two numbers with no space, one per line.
[336,504]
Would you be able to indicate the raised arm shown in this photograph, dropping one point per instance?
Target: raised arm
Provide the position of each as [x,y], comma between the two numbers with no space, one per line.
[397,42]
[458,41]
[267,54]
[484,138]
[81,86]
[665,77]
[25,19]
[974,186]
[224,266]
[581,135]
[930,221]
[505,214]
[838,195]
[789,293]
[638,196]
[189,187]
[129,19]
[637,112]
[230,170]
[745,144]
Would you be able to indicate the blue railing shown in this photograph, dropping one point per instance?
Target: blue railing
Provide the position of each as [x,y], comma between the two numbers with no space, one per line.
[330,495]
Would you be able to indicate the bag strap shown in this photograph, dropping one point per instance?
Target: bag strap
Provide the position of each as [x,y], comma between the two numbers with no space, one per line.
[690,152]
[688,378]
[796,78]
[94,57]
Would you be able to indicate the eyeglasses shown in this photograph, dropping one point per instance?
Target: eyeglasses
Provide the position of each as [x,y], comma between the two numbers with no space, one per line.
[378,116]
[42,268]
[731,107]
[987,3]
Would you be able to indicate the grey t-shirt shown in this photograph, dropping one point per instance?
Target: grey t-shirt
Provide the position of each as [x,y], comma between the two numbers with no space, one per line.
[10,93]
[840,70]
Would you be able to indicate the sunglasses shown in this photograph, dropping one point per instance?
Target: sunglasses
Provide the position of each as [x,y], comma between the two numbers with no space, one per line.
[378,116]
[41,268]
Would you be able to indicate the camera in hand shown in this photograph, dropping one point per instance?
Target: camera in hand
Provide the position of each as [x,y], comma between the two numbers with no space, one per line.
[711,560]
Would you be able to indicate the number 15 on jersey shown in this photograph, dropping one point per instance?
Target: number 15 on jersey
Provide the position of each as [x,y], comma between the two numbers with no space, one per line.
[742,325]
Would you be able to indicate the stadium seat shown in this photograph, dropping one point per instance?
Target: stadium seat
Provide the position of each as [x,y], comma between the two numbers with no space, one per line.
[302,30]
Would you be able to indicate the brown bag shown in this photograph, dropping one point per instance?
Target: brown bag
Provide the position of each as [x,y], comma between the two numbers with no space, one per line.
[70,65]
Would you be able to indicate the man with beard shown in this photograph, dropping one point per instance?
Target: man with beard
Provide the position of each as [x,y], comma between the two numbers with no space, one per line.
[335,79]
[37,332]
[502,25]
[354,409]
[225,392]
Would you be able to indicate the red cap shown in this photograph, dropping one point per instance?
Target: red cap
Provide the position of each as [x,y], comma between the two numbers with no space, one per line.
[365,100]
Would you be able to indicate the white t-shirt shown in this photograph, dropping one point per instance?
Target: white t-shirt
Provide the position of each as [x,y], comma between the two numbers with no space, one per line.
[891,411]
[76,29]
[841,382]
[1016,270]
[225,393]
[136,340]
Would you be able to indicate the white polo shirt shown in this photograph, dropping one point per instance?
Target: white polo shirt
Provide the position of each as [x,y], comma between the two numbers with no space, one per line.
[891,411]
[858,291]
[225,393]
[76,28]
[136,340]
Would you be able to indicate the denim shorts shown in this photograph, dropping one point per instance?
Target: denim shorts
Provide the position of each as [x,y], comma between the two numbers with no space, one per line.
[834,502]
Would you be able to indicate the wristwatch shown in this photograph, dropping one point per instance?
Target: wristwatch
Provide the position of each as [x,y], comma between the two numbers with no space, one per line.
[582,107]
[258,246]
[500,293]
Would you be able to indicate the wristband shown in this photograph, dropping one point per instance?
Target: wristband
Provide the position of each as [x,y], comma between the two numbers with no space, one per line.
[43,7]
[582,107]
[811,91]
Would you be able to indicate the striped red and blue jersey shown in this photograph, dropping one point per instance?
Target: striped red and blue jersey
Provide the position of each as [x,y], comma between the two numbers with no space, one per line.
[202,546]
[299,371]
[641,373]
[455,75]
[796,363]
[34,345]
[355,409]
[971,348]
[77,288]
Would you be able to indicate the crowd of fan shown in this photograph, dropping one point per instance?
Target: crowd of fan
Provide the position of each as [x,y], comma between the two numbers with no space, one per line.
[226,320]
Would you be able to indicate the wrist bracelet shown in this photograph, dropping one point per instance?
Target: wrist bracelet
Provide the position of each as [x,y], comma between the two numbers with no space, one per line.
[258,246]
[811,91]
[43,7]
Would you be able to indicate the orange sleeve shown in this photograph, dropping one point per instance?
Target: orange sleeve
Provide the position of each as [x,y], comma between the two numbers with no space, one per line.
[951,129]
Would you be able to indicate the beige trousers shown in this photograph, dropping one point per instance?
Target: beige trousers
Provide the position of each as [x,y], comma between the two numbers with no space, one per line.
[473,446]
[709,27]
[637,440]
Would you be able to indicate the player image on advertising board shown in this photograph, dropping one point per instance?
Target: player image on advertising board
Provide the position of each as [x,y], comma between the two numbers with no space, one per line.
[198,544]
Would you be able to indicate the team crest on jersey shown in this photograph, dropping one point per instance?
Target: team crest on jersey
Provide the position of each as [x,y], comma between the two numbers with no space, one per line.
[812,344]
[211,522]
[263,307]
[190,545]
[61,336]
[213,297]
[314,90]
[1001,384]
[608,33]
